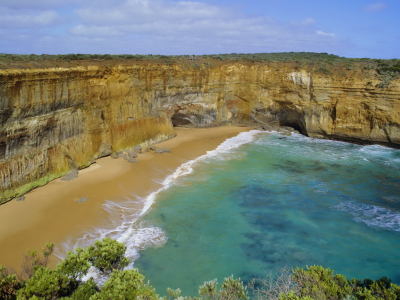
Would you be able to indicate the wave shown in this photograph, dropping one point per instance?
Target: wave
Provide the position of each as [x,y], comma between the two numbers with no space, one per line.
[129,228]
[371,215]
[332,151]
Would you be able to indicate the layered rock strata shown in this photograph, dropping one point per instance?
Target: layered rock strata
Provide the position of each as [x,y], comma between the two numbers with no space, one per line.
[56,119]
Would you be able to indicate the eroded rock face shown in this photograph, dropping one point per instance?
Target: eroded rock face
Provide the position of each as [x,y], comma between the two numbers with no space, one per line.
[53,120]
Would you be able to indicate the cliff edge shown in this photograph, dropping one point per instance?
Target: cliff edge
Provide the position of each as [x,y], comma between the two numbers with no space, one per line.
[55,117]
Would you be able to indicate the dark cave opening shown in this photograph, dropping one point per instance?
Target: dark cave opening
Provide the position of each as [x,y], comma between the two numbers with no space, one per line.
[179,119]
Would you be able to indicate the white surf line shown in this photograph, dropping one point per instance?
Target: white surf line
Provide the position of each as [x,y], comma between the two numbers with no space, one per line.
[134,233]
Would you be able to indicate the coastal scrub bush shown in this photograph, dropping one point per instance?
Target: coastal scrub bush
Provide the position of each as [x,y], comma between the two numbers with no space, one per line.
[8,284]
[32,260]
[274,285]
[231,289]
[125,284]
[107,255]
[385,70]
[106,258]
[320,283]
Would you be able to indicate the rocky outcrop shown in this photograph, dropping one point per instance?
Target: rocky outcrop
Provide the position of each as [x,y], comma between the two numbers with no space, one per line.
[53,120]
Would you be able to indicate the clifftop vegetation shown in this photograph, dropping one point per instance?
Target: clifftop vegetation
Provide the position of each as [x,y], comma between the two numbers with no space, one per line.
[259,57]
[328,64]
[106,262]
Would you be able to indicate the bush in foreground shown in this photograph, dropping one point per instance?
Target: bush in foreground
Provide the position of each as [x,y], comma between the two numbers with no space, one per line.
[106,259]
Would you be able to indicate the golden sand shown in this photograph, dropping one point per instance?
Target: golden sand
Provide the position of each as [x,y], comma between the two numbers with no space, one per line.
[52,213]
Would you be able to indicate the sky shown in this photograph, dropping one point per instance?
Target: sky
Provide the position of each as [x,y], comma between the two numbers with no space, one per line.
[350,28]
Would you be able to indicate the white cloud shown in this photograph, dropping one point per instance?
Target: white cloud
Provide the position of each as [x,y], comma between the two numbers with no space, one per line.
[95,31]
[155,26]
[39,4]
[15,19]
[320,32]
[140,11]
[201,27]
[375,7]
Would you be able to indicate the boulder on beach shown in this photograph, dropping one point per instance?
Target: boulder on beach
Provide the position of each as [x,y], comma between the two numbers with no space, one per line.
[22,198]
[137,149]
[70,176]
[132,154]
[163,150]
[132,160]
[114,156]
[105,153]
[124,156]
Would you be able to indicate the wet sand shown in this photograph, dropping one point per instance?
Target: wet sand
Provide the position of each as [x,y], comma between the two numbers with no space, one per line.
[52,213]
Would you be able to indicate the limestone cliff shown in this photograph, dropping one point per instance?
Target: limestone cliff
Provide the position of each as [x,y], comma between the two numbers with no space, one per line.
[53,118]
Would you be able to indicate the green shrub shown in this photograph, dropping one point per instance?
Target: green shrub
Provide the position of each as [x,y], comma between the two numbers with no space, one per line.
[8,284]
[231,289]
[320,283]
[107,258]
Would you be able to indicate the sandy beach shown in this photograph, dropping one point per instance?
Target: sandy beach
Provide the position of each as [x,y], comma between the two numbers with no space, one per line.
[52,213]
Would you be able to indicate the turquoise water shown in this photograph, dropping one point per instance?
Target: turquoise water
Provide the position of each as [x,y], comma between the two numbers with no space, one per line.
[259,202]
[278,201]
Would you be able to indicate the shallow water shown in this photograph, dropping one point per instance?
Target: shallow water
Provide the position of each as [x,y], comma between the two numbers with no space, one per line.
[277,201]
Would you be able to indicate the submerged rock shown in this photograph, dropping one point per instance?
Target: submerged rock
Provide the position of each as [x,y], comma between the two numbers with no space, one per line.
[22,198]
[132,160]
[114,156]
[83,199]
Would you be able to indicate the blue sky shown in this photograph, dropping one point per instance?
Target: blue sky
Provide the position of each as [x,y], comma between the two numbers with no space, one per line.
[351,28]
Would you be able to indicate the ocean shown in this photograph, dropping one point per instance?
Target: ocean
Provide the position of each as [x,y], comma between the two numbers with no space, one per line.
[262,201]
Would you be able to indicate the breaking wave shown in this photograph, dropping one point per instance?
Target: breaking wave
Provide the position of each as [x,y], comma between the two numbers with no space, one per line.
[371,215]
[129,229]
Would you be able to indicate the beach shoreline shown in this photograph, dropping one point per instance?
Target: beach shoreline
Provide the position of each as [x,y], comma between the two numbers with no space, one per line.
[52,213]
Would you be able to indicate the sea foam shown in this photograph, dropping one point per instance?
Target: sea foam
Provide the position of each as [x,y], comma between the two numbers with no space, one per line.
[371,215]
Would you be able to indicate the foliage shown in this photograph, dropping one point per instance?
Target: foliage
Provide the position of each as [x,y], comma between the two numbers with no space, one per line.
[231,289]
[107,258]
[126,284]
[317,283]
[274,285]
[32,260]
[85,290]
[8,284]
[75,265]
[292,296]
[107,255]
[320,283]
[385,65]
[47,284]
[386,70]
[382,288]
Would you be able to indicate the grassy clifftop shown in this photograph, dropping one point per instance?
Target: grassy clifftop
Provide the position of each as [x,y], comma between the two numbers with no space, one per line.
[385,69]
